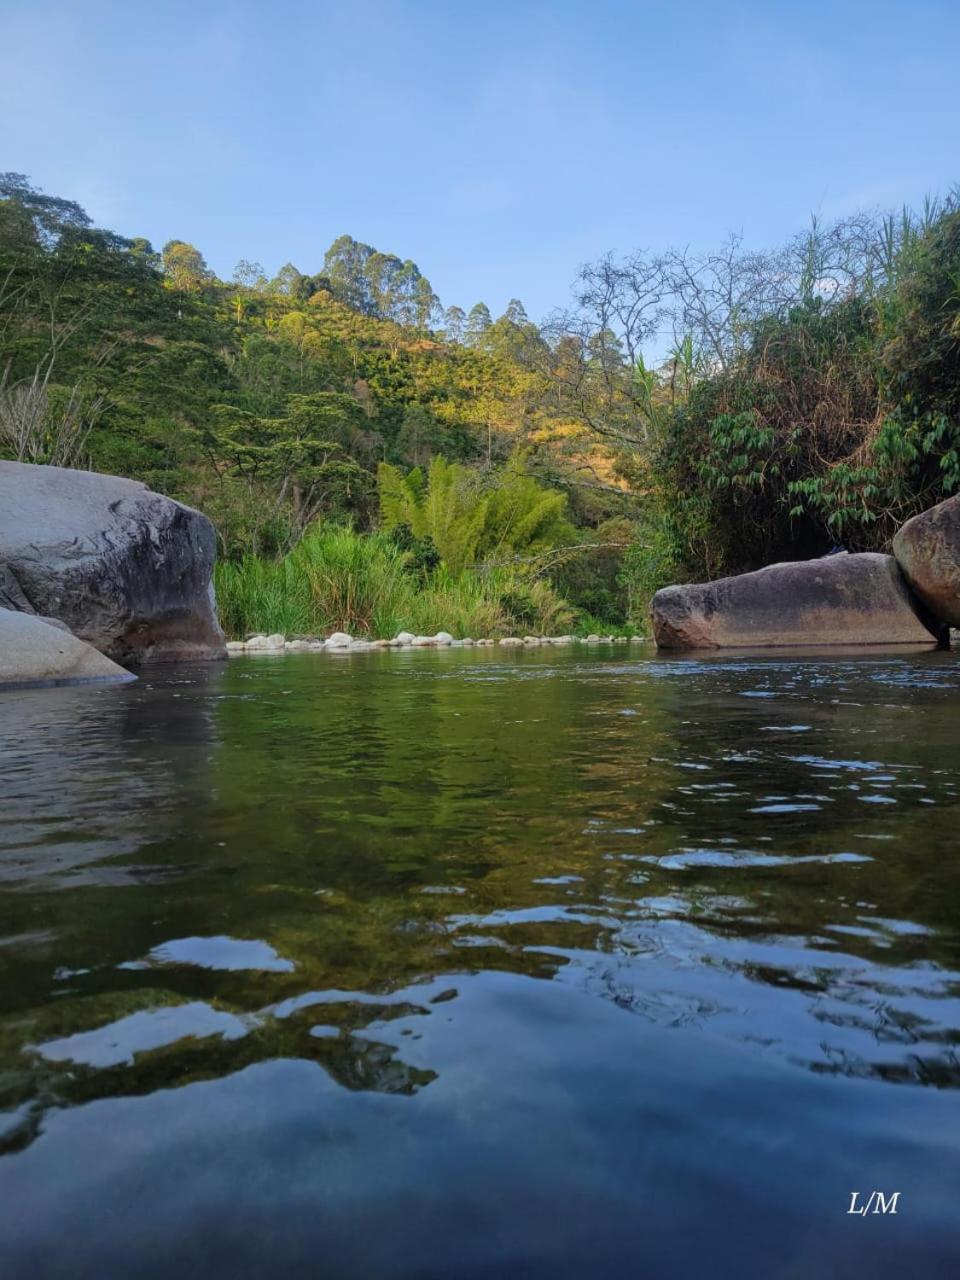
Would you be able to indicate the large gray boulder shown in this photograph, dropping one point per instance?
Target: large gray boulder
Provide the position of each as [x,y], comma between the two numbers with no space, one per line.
[927,549]
[838,600]
[32,651]
[11,593]
[127,570]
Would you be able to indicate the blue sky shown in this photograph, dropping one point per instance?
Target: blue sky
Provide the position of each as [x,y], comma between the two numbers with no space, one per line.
[498,144]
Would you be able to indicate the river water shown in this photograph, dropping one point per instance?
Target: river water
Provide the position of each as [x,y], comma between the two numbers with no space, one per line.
[474,963]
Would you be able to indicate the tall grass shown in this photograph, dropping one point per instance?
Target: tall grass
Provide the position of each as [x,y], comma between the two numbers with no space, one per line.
[464,605]
[333,581]
[260,595]
[350,583]
[337,580]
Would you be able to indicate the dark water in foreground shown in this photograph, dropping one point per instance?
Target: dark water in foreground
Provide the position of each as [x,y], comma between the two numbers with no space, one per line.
[453,964]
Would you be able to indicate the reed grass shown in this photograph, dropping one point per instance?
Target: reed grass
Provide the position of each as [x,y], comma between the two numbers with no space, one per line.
[338,580]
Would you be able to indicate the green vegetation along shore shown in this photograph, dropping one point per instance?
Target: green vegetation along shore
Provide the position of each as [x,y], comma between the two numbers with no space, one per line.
[374,462]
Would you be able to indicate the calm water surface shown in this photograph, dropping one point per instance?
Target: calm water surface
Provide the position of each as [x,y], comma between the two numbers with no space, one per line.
[468,964]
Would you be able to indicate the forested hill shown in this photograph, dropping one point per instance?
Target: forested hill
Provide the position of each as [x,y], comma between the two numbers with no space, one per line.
[267,403]
[802,397]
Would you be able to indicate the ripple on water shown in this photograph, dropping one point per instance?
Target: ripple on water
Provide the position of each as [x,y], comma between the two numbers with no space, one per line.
[293,865]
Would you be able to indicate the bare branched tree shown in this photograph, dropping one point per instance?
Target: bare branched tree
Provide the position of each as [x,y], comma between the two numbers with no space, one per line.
[40,431]
[705,309]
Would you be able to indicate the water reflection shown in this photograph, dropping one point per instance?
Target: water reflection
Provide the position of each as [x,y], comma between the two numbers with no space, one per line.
[299,859]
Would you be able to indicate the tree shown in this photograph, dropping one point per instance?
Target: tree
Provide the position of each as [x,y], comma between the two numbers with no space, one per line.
[448,508]
[144,252]
[295,327]
[515,313]
[249,275]
[426,304]
[383,276]
[420,437]
[48,217]
[71,302]
[344,265]
[297,456]
[454,320]
[509,517]
[478,322]
[184,266]
[291,283]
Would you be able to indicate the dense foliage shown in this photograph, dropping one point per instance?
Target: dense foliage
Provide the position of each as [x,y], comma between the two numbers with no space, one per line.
[271,404]
[811,399]
[808,396]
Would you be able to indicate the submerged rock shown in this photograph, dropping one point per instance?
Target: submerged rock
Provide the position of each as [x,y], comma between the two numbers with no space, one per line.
[34,652]
[128,570]
[837,600]
[927,549]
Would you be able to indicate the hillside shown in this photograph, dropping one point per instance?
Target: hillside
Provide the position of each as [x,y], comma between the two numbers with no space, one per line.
[268,404]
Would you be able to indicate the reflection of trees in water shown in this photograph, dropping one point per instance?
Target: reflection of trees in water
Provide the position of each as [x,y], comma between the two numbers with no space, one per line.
[98,786]
[353,1060]
[90,773]
[380,822]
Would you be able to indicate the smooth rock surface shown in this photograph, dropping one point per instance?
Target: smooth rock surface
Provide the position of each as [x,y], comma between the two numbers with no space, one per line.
[128,570]
[837,600]
[34,652]
[339,640]
[927,549]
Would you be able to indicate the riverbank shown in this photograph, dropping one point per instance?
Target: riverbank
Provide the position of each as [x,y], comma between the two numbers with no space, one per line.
[342,642]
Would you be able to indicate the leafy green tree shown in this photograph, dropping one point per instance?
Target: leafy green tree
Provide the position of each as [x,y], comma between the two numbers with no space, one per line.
[515,313]
[523,520]
[297,457]
[446,506]
[508,519]
[345,267]
[291,283]
[420,438]
[454,322]
[42,218]
[478,322]
[184,266]
[426,304]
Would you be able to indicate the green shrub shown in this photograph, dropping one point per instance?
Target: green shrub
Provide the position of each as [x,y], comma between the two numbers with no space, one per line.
[335,580]
[352,583]
[338,580]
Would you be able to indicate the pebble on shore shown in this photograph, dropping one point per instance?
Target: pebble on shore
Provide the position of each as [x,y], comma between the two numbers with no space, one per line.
[342,642]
